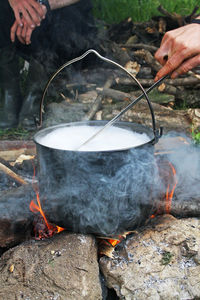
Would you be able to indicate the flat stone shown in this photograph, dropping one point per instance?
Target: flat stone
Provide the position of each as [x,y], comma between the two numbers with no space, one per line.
[160,262]
[64,267]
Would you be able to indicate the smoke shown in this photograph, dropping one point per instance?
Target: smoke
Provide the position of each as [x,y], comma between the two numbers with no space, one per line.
[186,160]
[105,193]
[108,193]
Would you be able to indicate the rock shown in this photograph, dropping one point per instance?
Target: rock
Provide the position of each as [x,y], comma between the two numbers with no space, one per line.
[64,112]
[162,262]
[194,115]
[132,40]
[64,267]
[170,120]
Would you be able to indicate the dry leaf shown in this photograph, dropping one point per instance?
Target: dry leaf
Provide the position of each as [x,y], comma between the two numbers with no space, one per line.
[11,269]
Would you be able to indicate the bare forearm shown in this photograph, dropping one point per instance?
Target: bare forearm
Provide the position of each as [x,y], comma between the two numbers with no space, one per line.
[54,4]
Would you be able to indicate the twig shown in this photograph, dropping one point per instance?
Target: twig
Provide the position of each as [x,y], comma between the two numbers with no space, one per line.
[149,59]
[114,94]
[140,46]
[187,81]
[173,16]
[194,74]
[193,13]
[12,174]
[169,89]
[97,102]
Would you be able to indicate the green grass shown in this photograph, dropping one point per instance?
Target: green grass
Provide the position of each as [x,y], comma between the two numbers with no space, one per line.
[15,133]
[114,11]
[196,136]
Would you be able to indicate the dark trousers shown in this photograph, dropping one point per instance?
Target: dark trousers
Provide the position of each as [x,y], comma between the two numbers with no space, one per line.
[64,34]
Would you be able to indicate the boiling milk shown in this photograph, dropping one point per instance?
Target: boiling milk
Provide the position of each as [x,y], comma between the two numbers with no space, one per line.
[112,138]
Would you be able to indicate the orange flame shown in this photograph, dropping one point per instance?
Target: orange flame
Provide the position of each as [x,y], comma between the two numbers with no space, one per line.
[115,242]
[49,229]
[169,194]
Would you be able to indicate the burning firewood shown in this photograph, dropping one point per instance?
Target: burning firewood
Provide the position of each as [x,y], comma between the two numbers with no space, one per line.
[12,174]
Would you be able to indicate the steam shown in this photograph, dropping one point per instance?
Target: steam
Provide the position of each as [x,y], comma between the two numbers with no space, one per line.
[105,193]
[113,138]
[108,193]
[186,160]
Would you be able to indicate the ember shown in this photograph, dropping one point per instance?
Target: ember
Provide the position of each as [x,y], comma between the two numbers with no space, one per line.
[42,228]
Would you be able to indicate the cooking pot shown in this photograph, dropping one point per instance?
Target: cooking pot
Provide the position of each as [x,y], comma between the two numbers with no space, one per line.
[102,192]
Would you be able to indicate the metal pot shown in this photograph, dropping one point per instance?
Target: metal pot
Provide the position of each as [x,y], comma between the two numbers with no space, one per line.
[101,192]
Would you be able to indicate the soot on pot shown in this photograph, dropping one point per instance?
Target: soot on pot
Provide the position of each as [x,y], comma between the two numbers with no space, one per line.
[100,191]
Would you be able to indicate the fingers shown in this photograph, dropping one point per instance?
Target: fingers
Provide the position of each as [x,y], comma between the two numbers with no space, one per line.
[19,35]
[162,54]
[188,65]
[23,33]
[18,15]
[171,65]
[13,31]
[32,12]
[178,66]
[31,17]
[182,47]
[40,9]
[27,37]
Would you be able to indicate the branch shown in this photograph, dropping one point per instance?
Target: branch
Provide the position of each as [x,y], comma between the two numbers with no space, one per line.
[12,174]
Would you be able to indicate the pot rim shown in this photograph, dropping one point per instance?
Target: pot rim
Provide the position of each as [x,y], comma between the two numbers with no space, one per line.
[123,124]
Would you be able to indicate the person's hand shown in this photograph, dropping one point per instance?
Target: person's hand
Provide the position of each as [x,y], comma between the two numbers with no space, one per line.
[23,33]
[30,10]
[179,51]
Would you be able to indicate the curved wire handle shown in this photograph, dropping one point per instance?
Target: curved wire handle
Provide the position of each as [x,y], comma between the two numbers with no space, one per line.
[109,61]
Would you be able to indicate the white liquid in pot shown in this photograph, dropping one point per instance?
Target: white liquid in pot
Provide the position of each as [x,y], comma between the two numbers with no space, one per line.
[112,138]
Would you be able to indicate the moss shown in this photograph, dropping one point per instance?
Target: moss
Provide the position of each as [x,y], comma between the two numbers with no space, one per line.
[166,258]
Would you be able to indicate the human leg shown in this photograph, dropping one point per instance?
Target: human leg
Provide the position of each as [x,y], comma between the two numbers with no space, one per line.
[10,97]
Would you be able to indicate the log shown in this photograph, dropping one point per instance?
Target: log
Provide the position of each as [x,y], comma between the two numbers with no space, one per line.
[140,46]
[170,120]
[97,102]
[186,81]
[15,216]
[169,89]
[180,20]
[12,174]
[149,59]
[11,150]
[16,220]
[173,16]
[114,94]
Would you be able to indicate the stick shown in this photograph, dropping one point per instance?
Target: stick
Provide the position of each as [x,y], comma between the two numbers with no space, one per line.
[187,81]
[149,58]
[140,46]
[97,102]
[12,174]
[173,16]
[114,94]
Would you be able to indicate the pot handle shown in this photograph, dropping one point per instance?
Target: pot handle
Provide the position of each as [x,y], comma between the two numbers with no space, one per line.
[157,133]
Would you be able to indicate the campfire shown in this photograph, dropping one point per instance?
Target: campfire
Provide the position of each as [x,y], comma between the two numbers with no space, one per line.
[50,252]
[172,230]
